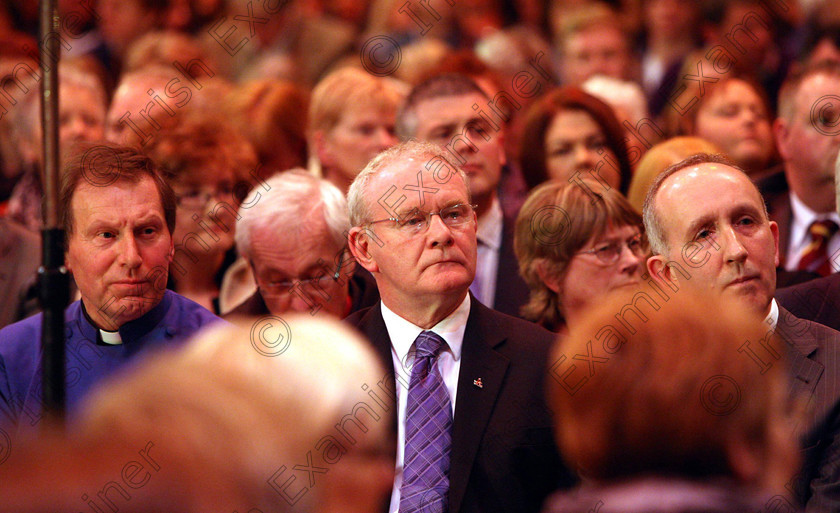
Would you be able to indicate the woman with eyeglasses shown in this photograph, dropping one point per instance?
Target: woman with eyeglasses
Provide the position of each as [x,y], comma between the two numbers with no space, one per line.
[573,246]
[204,161]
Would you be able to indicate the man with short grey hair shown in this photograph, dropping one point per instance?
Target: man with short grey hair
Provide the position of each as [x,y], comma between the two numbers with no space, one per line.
[414,229]
[710,231]
[292,232]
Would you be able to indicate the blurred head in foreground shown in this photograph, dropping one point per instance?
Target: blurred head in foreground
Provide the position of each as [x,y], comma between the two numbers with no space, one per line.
[667,397]
[226,423]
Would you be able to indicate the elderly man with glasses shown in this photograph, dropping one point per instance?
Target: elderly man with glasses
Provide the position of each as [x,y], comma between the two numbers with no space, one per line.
[291,230]
[414,229]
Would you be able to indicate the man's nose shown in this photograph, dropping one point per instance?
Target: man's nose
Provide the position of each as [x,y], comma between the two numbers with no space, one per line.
[439,232]
[130,252]
[733,248]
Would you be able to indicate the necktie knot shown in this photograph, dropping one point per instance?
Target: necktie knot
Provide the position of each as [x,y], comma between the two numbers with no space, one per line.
[823,229]
[814,257]
[428,344]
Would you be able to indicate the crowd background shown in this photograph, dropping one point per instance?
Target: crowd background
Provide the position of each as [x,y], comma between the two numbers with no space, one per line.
[262,113]
[224,93]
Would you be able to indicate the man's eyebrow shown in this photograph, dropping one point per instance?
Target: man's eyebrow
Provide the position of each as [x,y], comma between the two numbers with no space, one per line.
[149,219]
[448,127]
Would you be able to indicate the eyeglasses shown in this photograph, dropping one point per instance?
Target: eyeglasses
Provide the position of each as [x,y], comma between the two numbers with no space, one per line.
[282,288]
[417,221]
[609,253]
[196,200]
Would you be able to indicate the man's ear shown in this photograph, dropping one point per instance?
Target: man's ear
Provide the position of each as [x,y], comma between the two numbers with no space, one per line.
[323,149]
[780,134]
[774,229]
[661,272]
[502,154]
[360,240]
[547,276]
[171,249]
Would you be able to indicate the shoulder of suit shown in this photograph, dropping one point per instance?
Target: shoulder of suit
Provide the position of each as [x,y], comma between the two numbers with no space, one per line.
[513,328]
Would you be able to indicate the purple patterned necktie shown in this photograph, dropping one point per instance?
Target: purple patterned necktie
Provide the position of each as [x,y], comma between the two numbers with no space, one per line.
[428,432]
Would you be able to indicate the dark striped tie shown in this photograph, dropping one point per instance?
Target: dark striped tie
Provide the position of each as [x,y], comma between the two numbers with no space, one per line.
[815,255]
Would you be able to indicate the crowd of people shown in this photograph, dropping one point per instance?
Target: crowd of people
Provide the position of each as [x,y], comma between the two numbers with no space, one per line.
[427,256]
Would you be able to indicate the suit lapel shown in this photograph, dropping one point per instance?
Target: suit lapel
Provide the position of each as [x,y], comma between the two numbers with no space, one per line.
[474,403]
[801,344]
[372,325]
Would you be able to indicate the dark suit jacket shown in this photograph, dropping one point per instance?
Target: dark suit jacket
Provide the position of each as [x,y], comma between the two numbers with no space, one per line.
[504,458]
[816,300]
[511,290]
[813,352]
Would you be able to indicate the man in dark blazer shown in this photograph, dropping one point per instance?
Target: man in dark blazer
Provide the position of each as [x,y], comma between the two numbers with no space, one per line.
[816,300]
[448,110]
[708,229]
[414,230]
[802,193]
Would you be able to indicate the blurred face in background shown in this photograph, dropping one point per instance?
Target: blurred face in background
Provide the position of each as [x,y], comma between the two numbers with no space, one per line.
[123,21]
[206,200]
[364,130]
[734,118]
[81,115]
[595,50]
[575,143]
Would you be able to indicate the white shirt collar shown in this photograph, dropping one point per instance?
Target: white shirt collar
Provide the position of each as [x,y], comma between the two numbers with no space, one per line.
[403,333]
[489,230]
[772,318]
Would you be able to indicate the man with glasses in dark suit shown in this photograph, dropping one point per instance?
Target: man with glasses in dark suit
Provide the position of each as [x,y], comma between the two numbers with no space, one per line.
[474,432]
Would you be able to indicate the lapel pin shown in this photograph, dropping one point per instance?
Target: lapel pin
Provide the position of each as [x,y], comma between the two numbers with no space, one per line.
[478,383]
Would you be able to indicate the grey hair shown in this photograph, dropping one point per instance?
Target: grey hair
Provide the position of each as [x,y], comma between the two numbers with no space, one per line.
[653,222]
[431,153]
[287,199]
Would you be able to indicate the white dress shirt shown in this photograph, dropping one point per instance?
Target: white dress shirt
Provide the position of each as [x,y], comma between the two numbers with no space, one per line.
[772,318]
[489,236]
[800,237]
[402,334]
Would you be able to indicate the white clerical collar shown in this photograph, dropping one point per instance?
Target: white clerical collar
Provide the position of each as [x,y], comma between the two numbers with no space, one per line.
[451,329]
[112,338]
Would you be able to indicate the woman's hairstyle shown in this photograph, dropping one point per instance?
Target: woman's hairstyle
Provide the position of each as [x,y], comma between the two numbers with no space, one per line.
[555,222]
[658,158]
[670,394]
[542,113]
[267,110]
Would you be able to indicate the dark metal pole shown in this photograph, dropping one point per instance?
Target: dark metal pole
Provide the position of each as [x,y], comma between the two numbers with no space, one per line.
[52,276]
